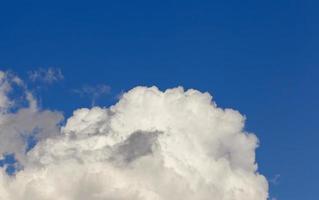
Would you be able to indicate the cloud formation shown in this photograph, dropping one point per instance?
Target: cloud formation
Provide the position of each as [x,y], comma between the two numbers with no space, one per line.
[49,75]
[275,179]
[151,145]
[93,92]
[17,122]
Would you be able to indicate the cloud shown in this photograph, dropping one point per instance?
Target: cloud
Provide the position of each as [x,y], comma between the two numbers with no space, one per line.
[49,75]
[7,80]
[93,92]
[151,145]
[275,180]
[18,123]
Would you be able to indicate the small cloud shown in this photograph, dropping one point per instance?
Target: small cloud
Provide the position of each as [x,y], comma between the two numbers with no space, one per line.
[94,92]
[275,179]
[49,75]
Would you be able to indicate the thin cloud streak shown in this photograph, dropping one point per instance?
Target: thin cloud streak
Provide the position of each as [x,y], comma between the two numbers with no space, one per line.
[93,92]
[46,75]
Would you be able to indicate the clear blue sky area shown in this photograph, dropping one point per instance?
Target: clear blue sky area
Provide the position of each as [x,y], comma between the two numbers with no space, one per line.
[260,57]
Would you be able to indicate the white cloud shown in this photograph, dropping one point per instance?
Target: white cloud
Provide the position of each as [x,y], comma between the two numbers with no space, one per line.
[44,75]
[151,145]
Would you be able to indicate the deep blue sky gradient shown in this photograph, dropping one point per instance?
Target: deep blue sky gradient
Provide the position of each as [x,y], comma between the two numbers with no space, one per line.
[260,57]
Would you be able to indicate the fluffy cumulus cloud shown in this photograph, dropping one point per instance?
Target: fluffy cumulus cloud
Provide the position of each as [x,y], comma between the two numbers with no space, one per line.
[151,145]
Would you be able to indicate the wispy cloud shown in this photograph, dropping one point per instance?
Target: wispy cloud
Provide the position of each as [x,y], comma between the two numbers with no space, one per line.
[93,92]
[275,180]
[46,75]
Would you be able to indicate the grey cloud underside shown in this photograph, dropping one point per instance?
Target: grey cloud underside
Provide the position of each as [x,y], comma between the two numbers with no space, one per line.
[151,145]
[138,144]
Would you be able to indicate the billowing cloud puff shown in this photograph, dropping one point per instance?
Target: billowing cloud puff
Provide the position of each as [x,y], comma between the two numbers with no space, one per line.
[151,145]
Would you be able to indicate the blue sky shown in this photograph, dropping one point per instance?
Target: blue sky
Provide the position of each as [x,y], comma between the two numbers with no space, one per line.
[259,57]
